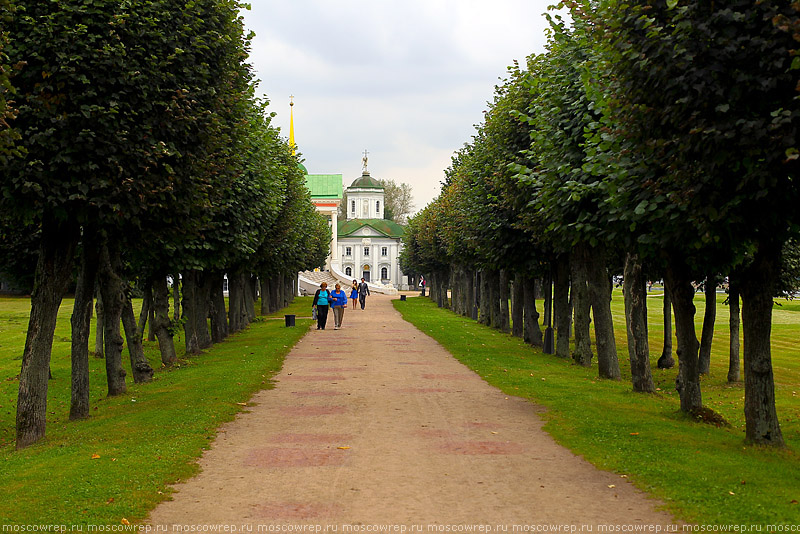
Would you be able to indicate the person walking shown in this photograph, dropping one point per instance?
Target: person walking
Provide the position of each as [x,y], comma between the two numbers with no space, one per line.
[321,302]
[339,303]
[363,292]
[354,293]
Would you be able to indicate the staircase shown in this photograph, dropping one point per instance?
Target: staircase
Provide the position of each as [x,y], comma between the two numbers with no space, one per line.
[310,281]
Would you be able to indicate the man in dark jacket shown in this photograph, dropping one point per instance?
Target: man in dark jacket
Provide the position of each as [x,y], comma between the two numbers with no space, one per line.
[363,291]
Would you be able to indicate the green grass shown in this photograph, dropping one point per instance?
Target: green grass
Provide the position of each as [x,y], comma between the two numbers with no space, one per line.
[704,474]
[120,462]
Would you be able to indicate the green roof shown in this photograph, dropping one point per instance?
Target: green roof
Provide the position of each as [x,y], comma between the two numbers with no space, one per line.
[324,185]
[365,181]
[383,226]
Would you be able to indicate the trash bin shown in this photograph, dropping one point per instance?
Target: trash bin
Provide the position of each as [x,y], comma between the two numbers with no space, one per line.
[289,320]
[402,297]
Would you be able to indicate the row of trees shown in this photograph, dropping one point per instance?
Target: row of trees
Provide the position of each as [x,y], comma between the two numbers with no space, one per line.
[140,151]
[655,139]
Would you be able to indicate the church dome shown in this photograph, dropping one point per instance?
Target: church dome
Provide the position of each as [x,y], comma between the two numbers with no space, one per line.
[365,181]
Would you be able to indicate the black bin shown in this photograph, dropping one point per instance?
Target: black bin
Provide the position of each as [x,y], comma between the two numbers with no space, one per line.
[402,297]
[289,320]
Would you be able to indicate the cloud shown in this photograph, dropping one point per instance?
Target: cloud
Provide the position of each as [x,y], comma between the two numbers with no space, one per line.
[405,80]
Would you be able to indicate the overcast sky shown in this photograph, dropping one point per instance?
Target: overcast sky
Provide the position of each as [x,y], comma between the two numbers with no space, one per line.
[406,80]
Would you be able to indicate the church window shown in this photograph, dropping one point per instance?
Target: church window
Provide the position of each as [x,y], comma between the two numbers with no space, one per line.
[348,251]
[377,207]
[353,207]
[384,273]
[348,271]
[366,251]
[384,251]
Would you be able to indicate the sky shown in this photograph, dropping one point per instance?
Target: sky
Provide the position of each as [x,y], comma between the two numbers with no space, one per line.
[406,80]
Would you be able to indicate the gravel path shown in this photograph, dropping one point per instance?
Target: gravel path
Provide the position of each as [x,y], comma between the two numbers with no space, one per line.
[376,425]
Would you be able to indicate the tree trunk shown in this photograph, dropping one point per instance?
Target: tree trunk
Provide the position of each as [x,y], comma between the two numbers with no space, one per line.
[144,314]
[733,360]
[99,342]
[274,291]
[161,323]
[471,308]
[635,291]
[582,306]
[219,317]
[600,291]
[517,306]
[561,309]
[503,297]
[142,371]
[112,287]
[530,315]
[250,282]
[757,287]
[196,296]
[237,305]
[264,295]
[709,318]
[176,296]
[548,341]
[81,322]
[485,306]
[53,275]
[679,283]
[666,361]
[151,330]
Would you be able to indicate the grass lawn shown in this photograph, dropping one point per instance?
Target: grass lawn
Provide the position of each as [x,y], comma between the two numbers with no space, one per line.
[704,474]
[119,463]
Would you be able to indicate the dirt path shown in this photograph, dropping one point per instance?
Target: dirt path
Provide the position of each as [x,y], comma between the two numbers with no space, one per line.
[376,424]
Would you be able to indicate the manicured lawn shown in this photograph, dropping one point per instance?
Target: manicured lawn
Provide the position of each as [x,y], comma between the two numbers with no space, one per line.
[703,473]
[119,463]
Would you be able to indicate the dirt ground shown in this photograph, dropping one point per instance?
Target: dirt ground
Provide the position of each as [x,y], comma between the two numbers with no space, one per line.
[376,425]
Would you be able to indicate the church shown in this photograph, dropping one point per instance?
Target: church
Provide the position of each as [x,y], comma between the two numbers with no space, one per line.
[369,245]
[364,244]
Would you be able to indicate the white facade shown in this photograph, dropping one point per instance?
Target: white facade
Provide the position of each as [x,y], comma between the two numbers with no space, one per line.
[368,245]
[371,255]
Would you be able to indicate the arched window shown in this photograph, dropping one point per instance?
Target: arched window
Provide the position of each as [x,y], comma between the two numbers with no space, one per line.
[384,273]
[377,207]
[348,271]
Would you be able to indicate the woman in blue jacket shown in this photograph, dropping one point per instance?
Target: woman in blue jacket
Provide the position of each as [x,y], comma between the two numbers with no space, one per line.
[339,304]
[321,302]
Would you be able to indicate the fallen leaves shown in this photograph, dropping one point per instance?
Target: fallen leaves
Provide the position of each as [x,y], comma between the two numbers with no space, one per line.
[95,456]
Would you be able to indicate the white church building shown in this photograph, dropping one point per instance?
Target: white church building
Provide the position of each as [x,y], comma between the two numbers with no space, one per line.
[364,244]
[369,245]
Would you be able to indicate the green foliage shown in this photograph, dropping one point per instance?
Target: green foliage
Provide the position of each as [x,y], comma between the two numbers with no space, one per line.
[8,136]
[146,439]
[397,201]
[699,107]
[702,473]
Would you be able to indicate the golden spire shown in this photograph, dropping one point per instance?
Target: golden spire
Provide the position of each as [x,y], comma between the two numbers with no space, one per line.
[291,125]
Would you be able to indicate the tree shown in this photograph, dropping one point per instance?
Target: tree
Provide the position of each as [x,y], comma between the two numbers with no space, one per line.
[397,201]
[700,107]
[116,104]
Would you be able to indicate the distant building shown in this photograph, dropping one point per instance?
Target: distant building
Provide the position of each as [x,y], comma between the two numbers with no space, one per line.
[369,245]
[364,245]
